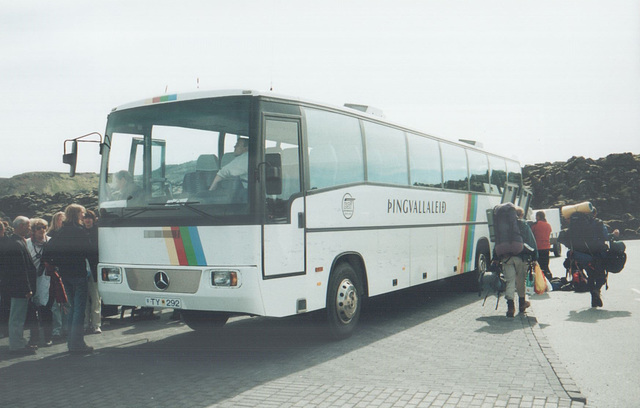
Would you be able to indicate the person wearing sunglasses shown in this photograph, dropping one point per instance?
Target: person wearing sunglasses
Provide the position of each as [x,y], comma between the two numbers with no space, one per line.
[42,300]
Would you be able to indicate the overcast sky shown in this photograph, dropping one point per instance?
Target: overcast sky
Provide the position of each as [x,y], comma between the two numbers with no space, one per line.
[536,80]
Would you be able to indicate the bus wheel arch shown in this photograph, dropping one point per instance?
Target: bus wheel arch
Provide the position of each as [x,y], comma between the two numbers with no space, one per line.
[346,292]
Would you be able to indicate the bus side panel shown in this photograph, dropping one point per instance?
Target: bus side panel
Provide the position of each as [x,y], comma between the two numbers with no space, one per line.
[424,254]
[386,254]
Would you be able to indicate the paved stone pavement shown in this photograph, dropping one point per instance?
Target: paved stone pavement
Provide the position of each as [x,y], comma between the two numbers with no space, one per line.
[425,347]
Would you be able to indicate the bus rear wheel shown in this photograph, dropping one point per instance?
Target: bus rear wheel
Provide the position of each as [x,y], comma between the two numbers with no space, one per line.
[483,259]
[344,301]
[204,322]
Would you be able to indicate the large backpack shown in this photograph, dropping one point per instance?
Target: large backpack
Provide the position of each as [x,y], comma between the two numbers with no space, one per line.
[509,240]
[585,234]
[616,257]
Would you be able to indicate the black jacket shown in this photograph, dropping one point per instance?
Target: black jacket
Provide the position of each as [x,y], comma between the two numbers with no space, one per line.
[69,250]
[17,268]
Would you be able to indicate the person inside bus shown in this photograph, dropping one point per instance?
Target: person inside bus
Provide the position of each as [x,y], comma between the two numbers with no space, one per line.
[126,189]
[238,168]
[542,231]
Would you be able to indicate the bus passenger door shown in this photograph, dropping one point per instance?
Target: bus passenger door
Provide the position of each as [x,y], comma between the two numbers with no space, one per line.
[283,231]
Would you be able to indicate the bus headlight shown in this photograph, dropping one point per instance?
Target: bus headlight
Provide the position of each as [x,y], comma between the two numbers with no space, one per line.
[224,278]
[111,274]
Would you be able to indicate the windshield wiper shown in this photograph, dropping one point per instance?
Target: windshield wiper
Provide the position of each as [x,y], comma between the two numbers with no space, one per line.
[135,211]
[187,205]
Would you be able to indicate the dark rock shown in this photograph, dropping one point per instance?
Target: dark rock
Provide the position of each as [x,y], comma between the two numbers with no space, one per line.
[611,184]
[34,205]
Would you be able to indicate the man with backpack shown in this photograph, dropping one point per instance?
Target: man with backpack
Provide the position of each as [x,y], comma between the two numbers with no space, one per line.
[515,249]
[587,237]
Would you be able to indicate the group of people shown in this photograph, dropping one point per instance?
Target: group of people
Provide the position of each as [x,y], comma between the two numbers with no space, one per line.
[48,280]
[537,246]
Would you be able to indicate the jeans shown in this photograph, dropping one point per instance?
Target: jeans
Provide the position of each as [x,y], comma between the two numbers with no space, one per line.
[77,289]
[93,319]
[46,320]
[59,318]
[22,311]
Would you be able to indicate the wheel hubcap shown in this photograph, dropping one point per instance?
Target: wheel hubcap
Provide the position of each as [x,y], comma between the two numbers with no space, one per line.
[482,263]
[346,301]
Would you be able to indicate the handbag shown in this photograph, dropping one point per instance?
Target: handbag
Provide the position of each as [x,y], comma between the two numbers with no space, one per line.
[57,287]
[540,281]
[43,282]
[529,282]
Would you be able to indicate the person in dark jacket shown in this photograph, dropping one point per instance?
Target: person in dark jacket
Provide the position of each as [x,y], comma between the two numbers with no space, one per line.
[69,251]
[19,281]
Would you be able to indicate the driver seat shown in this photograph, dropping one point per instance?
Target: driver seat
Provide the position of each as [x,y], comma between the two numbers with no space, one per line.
[201,179]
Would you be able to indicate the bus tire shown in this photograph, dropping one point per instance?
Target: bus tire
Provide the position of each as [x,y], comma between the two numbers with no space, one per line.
[344,301]
[483,259]
[205,322]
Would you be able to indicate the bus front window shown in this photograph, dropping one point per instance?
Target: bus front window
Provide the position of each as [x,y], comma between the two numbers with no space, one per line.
[182,159]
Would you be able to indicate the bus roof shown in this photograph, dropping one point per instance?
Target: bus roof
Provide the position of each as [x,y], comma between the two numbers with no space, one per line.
[373,114]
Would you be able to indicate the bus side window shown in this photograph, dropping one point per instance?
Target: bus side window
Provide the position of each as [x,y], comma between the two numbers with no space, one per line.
[478,172]
[424,157]
[334,148]
[386,154]
[498,174]
[514,172]
[323,161]
[456,176]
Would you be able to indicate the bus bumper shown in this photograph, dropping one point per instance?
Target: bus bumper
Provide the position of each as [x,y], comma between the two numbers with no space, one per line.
[224,289]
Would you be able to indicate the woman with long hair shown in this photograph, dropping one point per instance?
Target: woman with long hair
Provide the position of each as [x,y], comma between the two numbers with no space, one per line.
[69,250]
[56,224]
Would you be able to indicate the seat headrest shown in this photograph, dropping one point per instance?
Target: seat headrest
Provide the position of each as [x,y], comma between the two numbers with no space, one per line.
[207,162]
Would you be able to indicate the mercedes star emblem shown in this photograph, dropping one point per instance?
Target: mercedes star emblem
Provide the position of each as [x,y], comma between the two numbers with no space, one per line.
[161,280]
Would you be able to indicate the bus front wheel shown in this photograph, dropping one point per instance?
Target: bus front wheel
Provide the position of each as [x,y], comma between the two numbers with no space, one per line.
[204,322]
[344,301]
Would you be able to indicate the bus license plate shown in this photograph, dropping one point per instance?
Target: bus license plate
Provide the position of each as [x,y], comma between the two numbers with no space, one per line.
[163,302]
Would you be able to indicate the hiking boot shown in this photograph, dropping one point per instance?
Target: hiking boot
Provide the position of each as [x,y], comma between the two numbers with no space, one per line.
[596,300]
[511,308]
[524,304]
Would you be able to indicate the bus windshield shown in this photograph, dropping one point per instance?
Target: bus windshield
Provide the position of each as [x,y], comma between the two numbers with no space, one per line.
[177,160]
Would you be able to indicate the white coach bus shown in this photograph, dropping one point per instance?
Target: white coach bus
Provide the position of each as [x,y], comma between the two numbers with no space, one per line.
[249,203]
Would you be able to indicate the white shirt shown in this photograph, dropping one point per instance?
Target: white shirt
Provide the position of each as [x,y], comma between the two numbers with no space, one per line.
[43,281]
[239,167]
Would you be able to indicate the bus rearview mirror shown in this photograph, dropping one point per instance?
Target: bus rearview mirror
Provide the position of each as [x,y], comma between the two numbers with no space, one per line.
[71,158]
[273,173]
